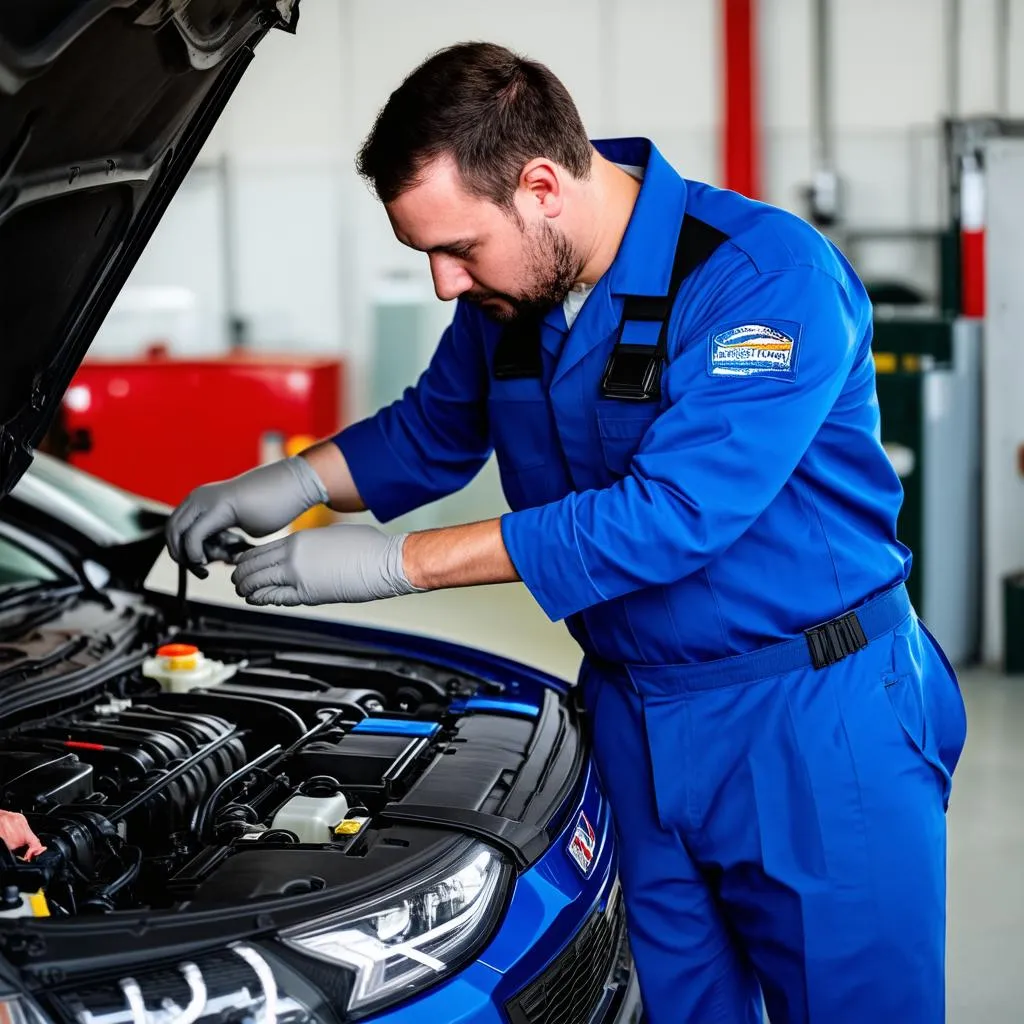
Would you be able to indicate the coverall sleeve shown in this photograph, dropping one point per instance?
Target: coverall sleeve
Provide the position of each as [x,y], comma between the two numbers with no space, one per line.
[713,460]
[434,439]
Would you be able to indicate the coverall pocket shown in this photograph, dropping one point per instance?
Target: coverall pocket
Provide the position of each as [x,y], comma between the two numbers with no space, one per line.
[621,429]
[519,419]
[925,697]
[524,444]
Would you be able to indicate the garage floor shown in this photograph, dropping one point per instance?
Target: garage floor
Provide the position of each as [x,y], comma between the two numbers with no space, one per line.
[986,878]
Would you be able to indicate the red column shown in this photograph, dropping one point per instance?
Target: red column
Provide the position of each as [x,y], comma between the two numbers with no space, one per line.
[740,142]
[972,237]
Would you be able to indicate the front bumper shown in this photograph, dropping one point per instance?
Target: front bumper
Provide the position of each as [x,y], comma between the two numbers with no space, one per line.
[560,956]
[589,981]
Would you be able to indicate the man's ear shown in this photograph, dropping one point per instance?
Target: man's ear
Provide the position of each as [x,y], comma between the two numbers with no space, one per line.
[540,185]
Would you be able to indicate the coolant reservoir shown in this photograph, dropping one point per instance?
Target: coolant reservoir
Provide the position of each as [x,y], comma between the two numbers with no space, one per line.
[179,668]
[312,818]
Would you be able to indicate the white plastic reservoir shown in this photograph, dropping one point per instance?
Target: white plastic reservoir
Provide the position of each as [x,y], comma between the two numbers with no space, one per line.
[312,818]
[179,668]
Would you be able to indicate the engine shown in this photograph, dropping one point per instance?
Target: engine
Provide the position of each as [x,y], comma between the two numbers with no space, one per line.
[153,794]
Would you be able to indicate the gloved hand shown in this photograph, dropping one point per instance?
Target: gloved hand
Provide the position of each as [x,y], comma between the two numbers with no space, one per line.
[259,501]
[15,833]
[343,563]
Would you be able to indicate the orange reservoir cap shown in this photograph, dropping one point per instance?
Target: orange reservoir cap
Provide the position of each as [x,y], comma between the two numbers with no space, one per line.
[179,656]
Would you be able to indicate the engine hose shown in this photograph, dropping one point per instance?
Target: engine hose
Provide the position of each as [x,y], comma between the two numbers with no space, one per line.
[205,808]
[77,871]
[238,812]
[328,717]
[320,785]
[277,835]
[99,903]
[129,875]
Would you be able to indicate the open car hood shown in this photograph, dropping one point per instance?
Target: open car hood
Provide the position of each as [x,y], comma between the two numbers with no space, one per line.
[104,105]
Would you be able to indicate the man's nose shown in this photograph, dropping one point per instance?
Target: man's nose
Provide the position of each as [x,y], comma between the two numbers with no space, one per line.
[451,279]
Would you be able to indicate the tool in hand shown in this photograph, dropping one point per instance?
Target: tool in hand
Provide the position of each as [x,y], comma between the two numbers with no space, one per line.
[225,546]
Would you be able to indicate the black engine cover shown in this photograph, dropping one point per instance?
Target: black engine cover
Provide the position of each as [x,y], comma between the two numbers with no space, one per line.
[35,780]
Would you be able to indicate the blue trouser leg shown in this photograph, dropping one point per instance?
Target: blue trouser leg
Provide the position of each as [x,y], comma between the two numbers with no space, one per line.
[803,817]
[689,967]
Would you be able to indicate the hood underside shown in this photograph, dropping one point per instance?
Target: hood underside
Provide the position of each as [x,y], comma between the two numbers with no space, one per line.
[104,105]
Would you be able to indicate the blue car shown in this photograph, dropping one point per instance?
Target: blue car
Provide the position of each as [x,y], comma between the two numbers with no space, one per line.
[247,817]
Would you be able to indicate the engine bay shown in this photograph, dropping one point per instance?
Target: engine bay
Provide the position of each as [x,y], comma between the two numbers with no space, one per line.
[233,764]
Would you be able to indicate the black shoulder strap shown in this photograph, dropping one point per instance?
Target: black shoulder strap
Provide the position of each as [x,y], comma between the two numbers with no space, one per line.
[633,371]
[517,353]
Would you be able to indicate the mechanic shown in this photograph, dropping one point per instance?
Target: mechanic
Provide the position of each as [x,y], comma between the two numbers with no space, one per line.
[16,834]
[678,386]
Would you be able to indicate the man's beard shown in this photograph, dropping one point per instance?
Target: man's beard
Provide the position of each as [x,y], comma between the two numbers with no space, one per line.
[554,266]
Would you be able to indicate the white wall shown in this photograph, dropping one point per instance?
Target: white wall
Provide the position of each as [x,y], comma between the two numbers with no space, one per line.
[311,247]
[310,244]
[1003,496]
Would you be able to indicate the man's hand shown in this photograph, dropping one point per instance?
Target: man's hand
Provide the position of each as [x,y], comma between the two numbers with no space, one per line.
[332,564]
[15,833]
[260,501]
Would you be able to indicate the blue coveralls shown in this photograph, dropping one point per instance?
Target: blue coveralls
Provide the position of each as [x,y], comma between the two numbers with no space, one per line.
[781,826]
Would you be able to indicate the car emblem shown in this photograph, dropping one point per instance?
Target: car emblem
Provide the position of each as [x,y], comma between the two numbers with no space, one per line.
[581,846]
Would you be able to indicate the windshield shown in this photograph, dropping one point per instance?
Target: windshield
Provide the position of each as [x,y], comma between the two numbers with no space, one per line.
[103,513]
[19,567]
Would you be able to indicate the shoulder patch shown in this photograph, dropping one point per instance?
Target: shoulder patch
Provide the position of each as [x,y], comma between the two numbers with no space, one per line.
[767,348]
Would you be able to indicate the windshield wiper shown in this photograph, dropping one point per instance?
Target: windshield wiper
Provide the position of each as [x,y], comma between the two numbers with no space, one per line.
[33,592]
[23,605]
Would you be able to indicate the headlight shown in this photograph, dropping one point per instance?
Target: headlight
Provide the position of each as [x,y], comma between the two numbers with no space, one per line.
[407,940]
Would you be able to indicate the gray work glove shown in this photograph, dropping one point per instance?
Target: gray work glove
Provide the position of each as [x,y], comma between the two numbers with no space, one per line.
[343,563]
[260,501]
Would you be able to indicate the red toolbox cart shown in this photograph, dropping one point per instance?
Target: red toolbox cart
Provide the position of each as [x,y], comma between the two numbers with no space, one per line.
[160,426]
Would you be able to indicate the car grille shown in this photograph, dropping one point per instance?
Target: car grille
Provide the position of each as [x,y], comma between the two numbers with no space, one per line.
[209,988]
[572,987]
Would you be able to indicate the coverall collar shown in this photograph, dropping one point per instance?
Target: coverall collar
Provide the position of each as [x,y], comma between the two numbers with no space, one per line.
[643,263]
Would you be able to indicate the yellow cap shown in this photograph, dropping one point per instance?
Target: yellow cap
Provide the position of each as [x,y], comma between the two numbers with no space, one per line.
[39,906]
[348,828]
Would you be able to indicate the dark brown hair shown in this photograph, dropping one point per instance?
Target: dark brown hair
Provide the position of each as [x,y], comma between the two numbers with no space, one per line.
[492,110]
